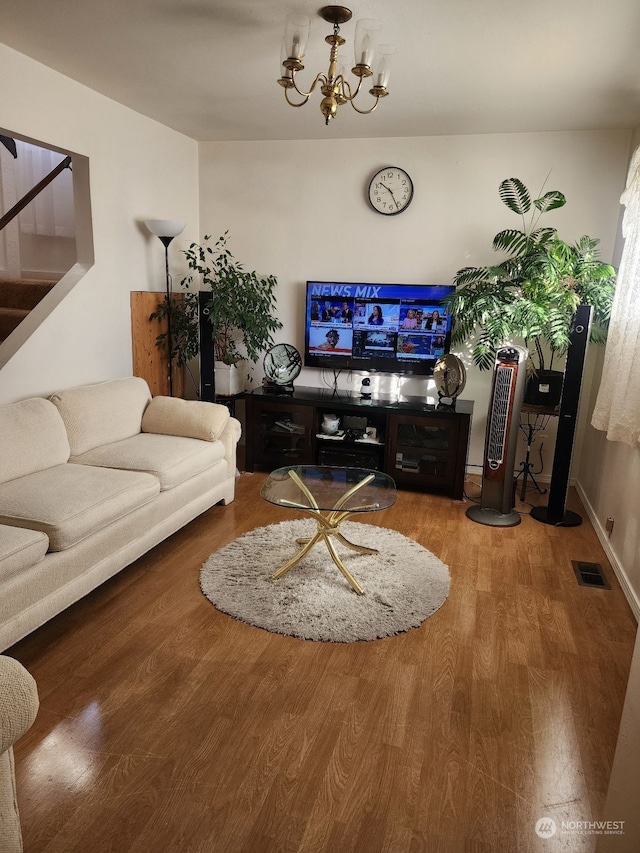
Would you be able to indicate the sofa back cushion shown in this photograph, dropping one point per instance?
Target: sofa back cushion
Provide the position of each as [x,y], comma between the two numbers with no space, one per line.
[32,438]
[101,414]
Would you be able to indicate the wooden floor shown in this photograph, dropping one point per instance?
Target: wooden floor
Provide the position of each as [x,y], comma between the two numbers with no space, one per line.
[167,726]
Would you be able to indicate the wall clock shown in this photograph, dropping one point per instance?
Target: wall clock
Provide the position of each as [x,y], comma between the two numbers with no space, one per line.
[390,191]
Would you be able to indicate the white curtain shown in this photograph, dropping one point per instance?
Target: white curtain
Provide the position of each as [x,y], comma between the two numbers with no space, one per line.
[617,409]
[50,214]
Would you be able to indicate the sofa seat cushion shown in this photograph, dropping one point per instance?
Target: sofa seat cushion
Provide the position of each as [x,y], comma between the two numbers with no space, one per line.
[70,502]
[171,459]
[19,549]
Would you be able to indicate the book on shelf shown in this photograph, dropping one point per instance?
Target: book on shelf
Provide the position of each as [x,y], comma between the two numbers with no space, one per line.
[290,427]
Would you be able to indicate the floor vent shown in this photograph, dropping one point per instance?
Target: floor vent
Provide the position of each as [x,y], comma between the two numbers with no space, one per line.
[590,574]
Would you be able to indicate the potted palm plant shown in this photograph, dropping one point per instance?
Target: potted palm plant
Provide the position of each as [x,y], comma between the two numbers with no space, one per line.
[241,311]
[533,293]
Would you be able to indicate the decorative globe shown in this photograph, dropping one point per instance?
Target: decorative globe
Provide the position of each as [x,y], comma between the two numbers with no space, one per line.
[450,375]
[282,364]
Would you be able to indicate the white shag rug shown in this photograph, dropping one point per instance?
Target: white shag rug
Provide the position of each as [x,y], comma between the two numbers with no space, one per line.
[403,584]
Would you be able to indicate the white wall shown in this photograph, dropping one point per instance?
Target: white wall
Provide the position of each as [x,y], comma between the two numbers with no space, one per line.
[138,169]
[298,210]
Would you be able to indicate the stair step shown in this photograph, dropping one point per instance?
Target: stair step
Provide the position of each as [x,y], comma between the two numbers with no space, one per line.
[23,293]
[10,319]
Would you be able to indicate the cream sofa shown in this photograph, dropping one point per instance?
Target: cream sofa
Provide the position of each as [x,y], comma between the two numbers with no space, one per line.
[92,478]
[18,709]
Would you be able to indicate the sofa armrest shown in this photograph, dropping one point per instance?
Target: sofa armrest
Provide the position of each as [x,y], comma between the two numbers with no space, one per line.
[18,701]
[230,437]
[188,418]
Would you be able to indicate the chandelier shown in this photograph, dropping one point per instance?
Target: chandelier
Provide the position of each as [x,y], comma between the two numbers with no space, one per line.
[333,85]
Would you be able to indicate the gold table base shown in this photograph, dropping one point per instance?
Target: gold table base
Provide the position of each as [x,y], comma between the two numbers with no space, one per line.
[328,528]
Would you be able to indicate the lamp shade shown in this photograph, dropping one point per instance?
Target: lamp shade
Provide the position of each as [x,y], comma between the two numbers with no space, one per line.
[366,40]
[383,64]
[296,34]
[165,227]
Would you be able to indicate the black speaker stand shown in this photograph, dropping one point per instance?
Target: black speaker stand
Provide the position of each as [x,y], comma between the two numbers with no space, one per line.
[526,472]
[533,419]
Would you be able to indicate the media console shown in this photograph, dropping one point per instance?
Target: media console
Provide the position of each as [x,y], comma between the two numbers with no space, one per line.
[409,439]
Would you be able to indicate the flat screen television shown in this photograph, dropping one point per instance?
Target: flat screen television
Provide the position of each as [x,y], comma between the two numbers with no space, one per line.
[390,328]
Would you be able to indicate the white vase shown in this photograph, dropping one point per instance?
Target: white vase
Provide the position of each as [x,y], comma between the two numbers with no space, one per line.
[228,378]
[330,425]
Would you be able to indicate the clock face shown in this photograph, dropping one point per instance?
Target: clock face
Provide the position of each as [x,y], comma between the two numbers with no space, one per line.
[390,191]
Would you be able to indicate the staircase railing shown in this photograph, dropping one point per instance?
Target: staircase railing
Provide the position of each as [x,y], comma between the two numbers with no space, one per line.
[29,197]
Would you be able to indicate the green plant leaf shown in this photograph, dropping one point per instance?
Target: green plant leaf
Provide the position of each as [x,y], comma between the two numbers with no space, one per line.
[541,236]
[515,195]
[470,275]
[484,355]
[550,201]
[511,240]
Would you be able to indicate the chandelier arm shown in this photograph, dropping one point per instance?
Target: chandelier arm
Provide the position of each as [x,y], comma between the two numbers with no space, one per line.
[319,78]
[365,112]
[346,88]
[292,103]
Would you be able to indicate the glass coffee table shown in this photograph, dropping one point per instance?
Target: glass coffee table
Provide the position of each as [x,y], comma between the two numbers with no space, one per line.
[329,494]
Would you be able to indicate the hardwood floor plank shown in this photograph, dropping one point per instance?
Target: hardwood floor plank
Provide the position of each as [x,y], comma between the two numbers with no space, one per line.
[167,725]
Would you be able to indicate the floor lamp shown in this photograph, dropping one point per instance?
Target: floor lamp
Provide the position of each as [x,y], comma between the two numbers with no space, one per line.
[166,230]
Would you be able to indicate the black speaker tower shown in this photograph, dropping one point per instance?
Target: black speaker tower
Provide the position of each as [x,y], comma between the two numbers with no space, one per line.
[207,361]
[556,512]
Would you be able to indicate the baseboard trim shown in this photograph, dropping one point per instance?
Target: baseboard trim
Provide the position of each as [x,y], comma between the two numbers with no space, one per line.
[630,595]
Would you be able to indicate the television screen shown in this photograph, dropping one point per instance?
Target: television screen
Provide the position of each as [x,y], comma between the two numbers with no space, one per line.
[391,328]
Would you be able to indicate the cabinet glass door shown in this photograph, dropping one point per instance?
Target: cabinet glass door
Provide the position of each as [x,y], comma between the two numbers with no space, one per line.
[283,435]
[423,449]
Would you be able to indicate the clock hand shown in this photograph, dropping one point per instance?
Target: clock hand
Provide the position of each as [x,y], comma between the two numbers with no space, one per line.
[389,190]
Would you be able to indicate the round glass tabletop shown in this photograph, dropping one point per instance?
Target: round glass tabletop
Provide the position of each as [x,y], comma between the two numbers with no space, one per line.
[299,486]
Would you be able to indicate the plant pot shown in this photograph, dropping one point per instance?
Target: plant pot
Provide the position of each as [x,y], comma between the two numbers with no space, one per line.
[228,379]
[544,388]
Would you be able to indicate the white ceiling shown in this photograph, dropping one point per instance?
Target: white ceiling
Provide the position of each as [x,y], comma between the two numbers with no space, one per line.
[209,68]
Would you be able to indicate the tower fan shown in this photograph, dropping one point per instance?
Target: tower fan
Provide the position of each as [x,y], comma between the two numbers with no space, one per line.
[496,502]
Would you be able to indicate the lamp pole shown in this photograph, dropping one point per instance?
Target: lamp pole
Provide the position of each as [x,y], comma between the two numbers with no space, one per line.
[166,241]
[165,230]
